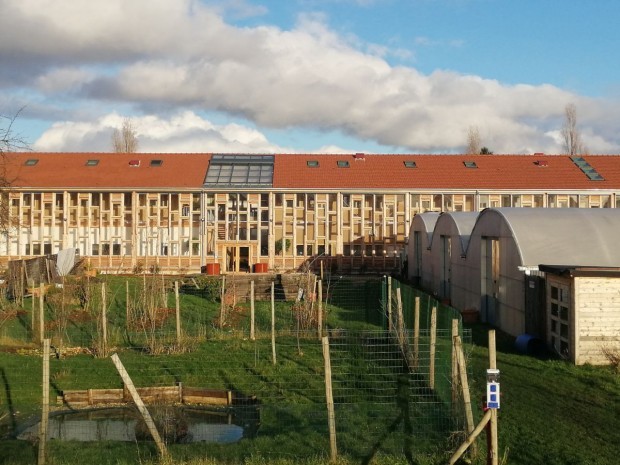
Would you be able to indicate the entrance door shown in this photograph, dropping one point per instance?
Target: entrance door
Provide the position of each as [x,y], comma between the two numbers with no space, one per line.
[490,280]
[237,259]
[446,267]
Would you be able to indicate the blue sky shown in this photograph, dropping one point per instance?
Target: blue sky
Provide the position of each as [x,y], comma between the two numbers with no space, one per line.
[377,76]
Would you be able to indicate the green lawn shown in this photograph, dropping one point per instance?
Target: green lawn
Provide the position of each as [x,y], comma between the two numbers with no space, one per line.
[552,412]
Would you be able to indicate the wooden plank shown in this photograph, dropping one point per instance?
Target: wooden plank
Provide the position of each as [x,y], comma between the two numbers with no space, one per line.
[141,407]
[433,347]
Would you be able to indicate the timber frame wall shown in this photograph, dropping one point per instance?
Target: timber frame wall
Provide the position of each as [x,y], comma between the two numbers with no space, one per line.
[183,231]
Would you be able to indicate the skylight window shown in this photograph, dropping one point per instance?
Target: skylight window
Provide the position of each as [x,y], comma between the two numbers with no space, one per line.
[31,162]
[343,164]
[312,163]
[92,162]
[240,170]
[410,164]
[470,164]
[587,169]
[157,162]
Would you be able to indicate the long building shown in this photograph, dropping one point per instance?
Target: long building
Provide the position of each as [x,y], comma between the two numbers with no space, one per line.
[239,212]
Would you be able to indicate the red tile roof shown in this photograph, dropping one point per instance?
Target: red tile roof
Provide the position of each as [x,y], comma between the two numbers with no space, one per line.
[291,171]
[114,170]
[445,172]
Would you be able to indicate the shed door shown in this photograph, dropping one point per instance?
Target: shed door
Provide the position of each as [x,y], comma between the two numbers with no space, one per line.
[490,280]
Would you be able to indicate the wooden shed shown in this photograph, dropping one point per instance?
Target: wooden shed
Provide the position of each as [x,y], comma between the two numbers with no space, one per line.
[583,312]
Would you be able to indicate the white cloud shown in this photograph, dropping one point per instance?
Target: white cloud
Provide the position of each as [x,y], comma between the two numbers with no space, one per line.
[184,132]
[168,56]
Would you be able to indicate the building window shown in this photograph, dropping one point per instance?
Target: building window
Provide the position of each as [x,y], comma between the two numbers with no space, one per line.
[95,249]
[410,164]
[343,163]
[92,162]
[312,163]
[31,162]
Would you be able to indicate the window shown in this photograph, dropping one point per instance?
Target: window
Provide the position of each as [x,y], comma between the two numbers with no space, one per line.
[31,162]
[346,200]
[343,164]
[95,250]
[410,164]
[92,162]
[155,163]
[470,164]
[312,163]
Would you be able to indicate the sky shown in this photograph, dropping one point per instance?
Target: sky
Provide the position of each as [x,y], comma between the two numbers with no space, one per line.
[310,76]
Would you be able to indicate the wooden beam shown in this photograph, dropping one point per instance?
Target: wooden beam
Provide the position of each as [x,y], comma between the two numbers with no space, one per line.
[139,404]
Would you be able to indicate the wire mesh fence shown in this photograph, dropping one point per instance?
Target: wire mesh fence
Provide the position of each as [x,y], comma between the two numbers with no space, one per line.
[229,396]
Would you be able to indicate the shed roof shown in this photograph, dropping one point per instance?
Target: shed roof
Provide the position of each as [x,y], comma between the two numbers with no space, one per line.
[428,220]
[464,223]
[571,237]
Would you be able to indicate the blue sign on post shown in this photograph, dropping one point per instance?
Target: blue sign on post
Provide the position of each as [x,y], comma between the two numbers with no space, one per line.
[492,394]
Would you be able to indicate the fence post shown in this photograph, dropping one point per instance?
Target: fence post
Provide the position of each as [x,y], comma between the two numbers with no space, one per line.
[469,417]
[331,416]
[252,335]
[178,311]
[127,315]
[455,368]
[104,321]
[273,324]
[222,298]
[416,332]
[41,313]
[431,367]
[493,420]
[389,302]
[45,402]
[401,322]
[139,404]
[319,310]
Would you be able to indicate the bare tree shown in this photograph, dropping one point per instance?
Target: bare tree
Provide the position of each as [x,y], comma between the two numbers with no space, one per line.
[473,141]
[125,140]
[9,142]
[570,132]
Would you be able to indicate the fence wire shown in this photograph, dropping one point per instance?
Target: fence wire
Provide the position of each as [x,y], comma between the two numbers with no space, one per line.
[225,396]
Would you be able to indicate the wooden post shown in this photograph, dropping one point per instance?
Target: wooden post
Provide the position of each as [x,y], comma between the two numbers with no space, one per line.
[319,309]
[416,332]
[104,321]
[45,402]
[493,421]
[389,302]
[252,334]
[139,404]
[177,304]
[470,439]
[462,368]
[455,368]
[164,296]
[273,323]
[321,270]
[127,315]
[41,312]
[431,365]
[401,321]
[222,299]
[33,319]
[331,416]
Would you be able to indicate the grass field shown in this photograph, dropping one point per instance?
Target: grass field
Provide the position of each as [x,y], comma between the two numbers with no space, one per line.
[552,412]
